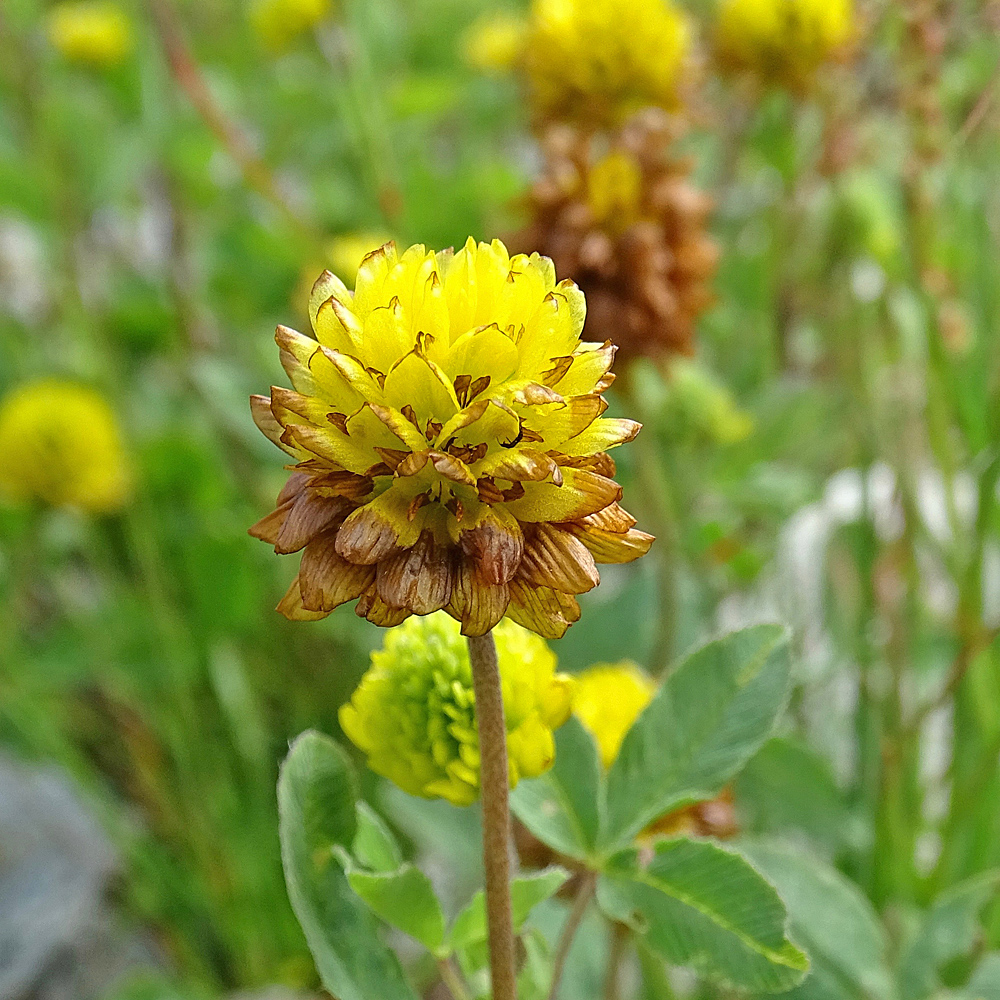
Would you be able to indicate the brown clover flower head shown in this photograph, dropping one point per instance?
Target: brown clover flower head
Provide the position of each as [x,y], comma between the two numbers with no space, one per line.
[448,449]
[627,225]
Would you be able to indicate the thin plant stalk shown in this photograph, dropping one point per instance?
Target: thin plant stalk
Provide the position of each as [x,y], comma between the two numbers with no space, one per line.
[584,895]
[495,788]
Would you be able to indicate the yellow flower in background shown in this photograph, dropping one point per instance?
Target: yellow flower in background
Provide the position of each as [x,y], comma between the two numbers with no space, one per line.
[279,22]
[600,60]
[607,699]
[59,443]
[346,252]
[615,190]
[495,42]
[782,41]
[91,32]
[343,256]
[448,445]
[414,711]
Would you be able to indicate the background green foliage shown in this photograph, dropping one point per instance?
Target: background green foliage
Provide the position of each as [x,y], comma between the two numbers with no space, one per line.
[857,318]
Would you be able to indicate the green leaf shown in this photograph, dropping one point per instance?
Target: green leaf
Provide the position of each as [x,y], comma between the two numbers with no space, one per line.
[701,905]
[788,785]
[833,921]
[526,893]
[374,846]
[708,718]
[316,804]
[948,931]
[405,899]
[561,807]
[984,984]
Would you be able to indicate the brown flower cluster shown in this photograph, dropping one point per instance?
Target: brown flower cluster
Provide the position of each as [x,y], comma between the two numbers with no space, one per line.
[628,226]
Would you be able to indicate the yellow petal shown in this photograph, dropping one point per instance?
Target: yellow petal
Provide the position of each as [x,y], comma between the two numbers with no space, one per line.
[582,493]
[419,383]
[337,327]
[486,351]
[600,436]
[333,446]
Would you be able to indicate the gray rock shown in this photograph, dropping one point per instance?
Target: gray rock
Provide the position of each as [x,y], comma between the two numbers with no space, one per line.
[59,937]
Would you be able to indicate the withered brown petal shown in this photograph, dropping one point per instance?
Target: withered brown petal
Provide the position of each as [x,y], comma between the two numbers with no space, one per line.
[614,547]
[495,548]
[477,605]
[260,410]
[307,517]
[326,580]
[542,610]
[372,607]
[366,537]
[268,527]
[292,608]
[418,579]
[558,559]
[297,482]
[614,518]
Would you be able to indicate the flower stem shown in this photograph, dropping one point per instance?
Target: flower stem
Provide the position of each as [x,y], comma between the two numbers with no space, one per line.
[583,897]
[494,783]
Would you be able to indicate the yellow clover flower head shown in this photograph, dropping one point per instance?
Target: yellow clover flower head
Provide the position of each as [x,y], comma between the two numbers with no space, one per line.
[447,444]
[90,32]
[414,713]
[607,699]
[59,443]
[782,41]
[279,22]
[601,60]
[495,42]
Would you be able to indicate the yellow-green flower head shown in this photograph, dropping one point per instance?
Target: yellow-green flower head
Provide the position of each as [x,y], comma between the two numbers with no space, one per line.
[782,41]
[279,22]
[495,42]
[447,443]
[414,713]
[597,61]
[91,32]
[59,443]
[607,699]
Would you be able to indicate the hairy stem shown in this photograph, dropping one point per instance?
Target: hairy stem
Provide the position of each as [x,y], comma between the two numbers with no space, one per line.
[494,784]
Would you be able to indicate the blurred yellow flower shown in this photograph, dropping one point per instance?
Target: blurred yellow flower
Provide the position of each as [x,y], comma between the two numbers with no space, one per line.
[495,42]
[607,699]
[597,61]
[782,41]
[279,22]
[92,32]
[614,191]
[448,443]
[343,256]
[346,252]
[59,442]
[413,713]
